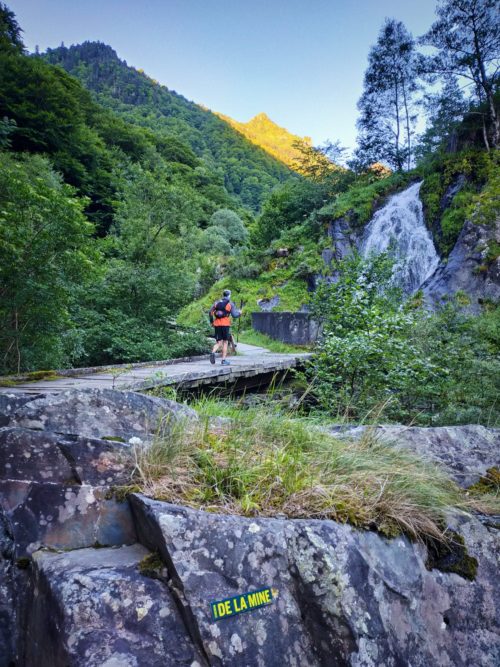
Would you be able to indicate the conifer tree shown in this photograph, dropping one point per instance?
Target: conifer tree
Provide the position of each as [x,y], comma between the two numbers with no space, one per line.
[444,111]
[387,119]
[10,32]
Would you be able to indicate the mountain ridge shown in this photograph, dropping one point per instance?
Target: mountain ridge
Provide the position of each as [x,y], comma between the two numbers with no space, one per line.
[276,140]
[249,172]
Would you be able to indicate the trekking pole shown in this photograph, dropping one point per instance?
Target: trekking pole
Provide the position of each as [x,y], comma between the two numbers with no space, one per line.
[242,303]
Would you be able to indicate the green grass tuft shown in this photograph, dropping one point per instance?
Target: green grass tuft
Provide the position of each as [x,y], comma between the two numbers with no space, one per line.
[261,464]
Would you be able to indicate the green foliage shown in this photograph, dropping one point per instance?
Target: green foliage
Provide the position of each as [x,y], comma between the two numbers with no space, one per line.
[377,356]
[45,252]
[10,32]
[466,43]
[358,203]
[296,202]
[225,234]
[476,200]
[261,340]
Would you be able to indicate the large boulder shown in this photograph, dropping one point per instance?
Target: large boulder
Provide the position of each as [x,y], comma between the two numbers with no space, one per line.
[33,456]
[465,452]
[101,413]
[345,597]
[94,608]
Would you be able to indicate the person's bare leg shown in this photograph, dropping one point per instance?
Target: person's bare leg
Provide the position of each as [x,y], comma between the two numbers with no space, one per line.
[224,349]
[216,346]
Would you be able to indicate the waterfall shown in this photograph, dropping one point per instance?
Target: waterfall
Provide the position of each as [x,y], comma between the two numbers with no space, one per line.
[399,227]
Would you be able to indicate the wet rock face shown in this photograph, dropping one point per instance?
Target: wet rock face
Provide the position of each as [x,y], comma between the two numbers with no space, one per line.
[467,268]
[100,413]
[465,452]
[346,597]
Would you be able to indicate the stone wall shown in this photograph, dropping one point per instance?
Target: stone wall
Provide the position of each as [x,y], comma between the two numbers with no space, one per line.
[293,328]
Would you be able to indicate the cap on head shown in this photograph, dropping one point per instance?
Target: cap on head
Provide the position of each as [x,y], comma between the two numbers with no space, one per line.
[226,292]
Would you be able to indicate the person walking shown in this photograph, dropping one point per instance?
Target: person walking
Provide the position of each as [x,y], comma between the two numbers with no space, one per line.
[220,316]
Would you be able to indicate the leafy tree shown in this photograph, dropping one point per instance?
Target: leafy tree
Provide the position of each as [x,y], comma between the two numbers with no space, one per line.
[45,252]
[387,119]
[467,41]
[231,224]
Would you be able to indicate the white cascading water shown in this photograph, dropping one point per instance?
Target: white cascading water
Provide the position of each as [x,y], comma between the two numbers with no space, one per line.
[400,228]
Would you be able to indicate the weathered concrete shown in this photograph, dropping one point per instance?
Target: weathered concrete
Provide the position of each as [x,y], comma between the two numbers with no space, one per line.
[251,361]
[292,328]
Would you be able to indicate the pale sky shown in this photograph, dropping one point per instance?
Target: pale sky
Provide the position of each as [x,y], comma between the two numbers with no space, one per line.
[299,61]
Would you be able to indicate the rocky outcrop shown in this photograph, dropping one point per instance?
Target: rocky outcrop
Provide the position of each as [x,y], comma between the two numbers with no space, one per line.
[468,268]
[100,413]
[94,608]
[344,596]
[464,452]
[88,579]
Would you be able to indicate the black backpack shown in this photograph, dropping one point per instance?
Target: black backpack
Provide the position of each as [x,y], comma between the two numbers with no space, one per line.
[218,311]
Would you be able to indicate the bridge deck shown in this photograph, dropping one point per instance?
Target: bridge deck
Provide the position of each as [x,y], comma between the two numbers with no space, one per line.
[251,361]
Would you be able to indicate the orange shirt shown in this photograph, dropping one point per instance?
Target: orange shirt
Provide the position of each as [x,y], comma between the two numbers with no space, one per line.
[223,321]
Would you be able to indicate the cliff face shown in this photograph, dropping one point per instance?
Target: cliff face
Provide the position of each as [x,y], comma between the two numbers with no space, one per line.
[90,579]
[470,268]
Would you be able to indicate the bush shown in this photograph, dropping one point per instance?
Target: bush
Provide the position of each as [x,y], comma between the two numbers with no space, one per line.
[431,369]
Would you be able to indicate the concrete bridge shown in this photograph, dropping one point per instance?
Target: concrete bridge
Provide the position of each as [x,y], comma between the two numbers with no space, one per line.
[253,366]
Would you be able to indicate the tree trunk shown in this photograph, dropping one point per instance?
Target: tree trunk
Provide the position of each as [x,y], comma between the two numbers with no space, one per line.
[408,137]
[488,90]
[398,130]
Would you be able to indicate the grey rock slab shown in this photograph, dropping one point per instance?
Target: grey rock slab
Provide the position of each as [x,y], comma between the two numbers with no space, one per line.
[62,517]
[99,413]
[98,462]
[34,456]
[467,268]
[346,597]
[10,402]
[464,452]
[93,608]
[211,557]
[8,616]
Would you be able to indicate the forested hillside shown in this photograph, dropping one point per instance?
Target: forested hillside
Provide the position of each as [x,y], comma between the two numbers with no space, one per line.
[108,227]
[247,172]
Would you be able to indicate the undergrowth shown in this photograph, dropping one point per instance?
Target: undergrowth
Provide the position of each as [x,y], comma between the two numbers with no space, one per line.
[253,337]
[262,464]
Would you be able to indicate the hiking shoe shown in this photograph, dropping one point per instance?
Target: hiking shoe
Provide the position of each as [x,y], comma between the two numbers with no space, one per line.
[225,362]
[212,357]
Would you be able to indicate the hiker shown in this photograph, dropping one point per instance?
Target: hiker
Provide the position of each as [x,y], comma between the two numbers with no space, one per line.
[220,316]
